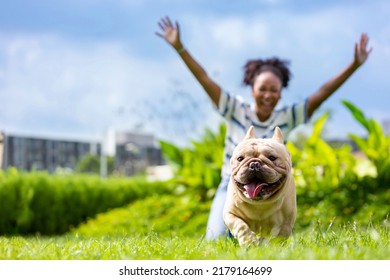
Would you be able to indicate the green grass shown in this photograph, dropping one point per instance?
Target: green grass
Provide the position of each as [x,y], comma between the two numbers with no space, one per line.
[348,242]
[172,228]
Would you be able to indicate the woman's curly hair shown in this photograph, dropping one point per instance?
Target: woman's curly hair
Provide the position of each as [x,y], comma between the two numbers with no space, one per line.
[275,65]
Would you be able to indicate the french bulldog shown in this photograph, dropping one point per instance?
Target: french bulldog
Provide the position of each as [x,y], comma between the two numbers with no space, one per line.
[261,197]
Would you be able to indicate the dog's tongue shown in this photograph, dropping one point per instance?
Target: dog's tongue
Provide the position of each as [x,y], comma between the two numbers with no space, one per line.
[254,188]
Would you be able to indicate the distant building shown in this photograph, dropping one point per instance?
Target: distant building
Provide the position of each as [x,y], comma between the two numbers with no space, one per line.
[135,152]
[386,126]
[28,153]
[1,149]
[338,143]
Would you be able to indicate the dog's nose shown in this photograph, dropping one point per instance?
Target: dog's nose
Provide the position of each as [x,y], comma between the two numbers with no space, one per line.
[254,166]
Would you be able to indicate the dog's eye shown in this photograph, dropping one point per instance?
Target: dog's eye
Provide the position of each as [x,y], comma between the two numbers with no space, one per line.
[240,158]
[272,158]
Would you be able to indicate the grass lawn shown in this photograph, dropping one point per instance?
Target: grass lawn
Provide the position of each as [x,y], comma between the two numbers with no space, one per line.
[348,242]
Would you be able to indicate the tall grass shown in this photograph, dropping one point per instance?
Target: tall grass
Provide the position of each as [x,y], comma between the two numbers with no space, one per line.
[349,242]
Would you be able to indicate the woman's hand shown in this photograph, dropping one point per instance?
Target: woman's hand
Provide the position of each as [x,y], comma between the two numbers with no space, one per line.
[171,33]
[361,52]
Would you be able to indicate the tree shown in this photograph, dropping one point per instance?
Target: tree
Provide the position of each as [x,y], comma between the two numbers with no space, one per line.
[90,163]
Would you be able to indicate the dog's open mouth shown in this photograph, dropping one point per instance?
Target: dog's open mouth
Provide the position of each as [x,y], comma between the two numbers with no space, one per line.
[258,190]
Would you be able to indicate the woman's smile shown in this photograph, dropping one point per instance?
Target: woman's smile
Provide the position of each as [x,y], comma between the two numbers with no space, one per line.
[266,92]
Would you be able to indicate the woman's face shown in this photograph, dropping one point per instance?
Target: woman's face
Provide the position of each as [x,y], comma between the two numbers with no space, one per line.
[266,91]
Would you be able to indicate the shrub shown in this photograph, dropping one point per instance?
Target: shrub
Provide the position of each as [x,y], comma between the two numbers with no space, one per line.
[51,204]
[330,184]
[90,164]
[198,168]
[376,146]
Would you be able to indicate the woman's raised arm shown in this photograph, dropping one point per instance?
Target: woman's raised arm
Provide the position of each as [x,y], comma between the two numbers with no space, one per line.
[171,34]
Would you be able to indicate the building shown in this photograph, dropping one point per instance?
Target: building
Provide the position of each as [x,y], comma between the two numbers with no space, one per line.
[134,152]
[1,149]
[30,153]
[386,126]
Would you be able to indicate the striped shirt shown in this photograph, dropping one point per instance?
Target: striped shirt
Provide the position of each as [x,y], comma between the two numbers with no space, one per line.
[240,115]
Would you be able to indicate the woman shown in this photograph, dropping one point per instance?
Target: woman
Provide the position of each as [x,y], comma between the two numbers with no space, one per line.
[267,78]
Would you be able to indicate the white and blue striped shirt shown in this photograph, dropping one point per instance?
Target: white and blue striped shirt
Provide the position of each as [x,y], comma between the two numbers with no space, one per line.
[240,115]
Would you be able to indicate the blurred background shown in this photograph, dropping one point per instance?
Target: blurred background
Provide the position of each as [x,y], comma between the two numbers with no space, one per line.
[91,76]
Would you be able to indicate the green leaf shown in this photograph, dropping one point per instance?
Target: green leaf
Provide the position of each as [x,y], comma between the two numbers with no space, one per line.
[171,152]
[317,129]
[360,142]
[357,114]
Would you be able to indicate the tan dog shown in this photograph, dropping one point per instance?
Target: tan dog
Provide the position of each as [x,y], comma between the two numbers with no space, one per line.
[261,199]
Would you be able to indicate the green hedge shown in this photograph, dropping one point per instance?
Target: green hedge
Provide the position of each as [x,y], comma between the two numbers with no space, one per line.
[52,204]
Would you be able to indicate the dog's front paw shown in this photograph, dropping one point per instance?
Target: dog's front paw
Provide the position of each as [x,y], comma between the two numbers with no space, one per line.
[249,239]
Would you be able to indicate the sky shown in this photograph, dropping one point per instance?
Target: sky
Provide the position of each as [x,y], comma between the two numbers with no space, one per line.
[80,69]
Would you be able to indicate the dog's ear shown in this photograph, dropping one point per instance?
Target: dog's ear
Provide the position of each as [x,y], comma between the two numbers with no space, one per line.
[250,133]
[278,136]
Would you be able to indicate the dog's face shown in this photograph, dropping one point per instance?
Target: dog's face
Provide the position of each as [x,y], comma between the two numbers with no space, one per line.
[260,166]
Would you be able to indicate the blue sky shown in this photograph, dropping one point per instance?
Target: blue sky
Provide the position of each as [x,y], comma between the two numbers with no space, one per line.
[74,69]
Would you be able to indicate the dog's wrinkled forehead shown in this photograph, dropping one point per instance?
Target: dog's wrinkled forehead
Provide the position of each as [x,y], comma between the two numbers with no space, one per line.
[255,147]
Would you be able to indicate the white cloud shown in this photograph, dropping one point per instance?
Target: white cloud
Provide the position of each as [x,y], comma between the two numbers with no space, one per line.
[83,84]
[236,34]
[56,87]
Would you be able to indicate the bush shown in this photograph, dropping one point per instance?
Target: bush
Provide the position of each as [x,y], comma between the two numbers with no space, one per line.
[51,204]
[376,146]
[90,164]
[198,168]
[332,185]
